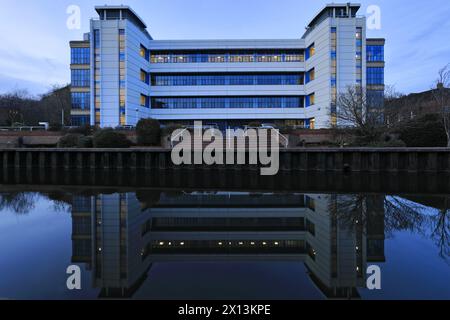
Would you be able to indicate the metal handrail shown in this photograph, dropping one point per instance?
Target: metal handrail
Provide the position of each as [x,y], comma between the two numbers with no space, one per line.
[279,134]
[286,140]
[23,128]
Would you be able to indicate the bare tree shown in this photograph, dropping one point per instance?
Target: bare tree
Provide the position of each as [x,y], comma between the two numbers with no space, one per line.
[394,106]
[12,104]
[356,113]
[442,96]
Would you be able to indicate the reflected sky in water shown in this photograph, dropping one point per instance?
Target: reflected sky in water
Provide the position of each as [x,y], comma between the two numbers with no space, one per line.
[174,244]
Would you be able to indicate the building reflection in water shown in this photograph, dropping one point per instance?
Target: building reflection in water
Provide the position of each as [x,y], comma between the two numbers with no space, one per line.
[120,236]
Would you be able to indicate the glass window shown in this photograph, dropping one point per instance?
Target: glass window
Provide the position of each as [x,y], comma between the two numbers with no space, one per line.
[231,56]
[80,55]
[375,53]
[310,75]
[144,76]
[81,100]
[310,51]
[375,98]
[359,33]
[97,39]
[375,76]
[144,102]
[310,100]
[81,77]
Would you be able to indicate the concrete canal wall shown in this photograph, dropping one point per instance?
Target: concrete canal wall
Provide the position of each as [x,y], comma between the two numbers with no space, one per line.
[320,159]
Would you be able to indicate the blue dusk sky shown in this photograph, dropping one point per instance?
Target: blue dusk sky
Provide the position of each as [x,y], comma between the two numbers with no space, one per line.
[34,51]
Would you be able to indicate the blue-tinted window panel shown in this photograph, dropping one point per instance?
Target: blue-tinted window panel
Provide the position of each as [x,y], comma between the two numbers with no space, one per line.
[375,98]
[227,79]
[80,56]
[81,100]
[375,76]
[375,53]
[81,77]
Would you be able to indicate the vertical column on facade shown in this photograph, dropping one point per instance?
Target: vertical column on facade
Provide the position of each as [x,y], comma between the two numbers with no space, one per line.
[133,160]
[17,159]
[356,161]
[303,161]
[148,161]
[321,161]
[92,159]
[54,160]
[119,160]
[413,163]
[286,161]
[29,160]
[42,160]
[105,160]
[374,165]
[393,162]
[162,160]
[447,158]
[432,162]
[5,159]
[66,163]
[338,161]
[79,160]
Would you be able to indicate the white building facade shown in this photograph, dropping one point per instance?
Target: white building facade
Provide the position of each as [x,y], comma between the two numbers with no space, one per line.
[120,74]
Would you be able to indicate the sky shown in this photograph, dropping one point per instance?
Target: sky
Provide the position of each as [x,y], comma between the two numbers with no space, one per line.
[35,54]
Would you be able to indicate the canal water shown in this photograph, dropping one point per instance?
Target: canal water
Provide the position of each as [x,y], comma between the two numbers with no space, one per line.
[172,242]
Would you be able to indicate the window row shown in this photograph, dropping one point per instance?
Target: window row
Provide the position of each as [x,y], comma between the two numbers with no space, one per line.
[227,102]
[81,100]
[80,55]
[226,79]
[375,76]
[81,78]
[225,57]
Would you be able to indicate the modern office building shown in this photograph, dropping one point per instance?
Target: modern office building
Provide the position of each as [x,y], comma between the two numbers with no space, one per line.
[120,74]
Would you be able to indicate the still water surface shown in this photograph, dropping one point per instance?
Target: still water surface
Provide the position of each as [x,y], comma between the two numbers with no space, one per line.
[147,243]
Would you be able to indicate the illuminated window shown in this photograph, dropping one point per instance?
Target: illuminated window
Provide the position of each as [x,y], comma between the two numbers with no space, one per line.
[310,51]
[310,75]
[144,77]
[144,101]
[310,100]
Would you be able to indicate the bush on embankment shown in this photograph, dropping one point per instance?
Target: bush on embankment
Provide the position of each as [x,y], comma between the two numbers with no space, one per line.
[426,131]
[69,141]
[148,132]
[108,138]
